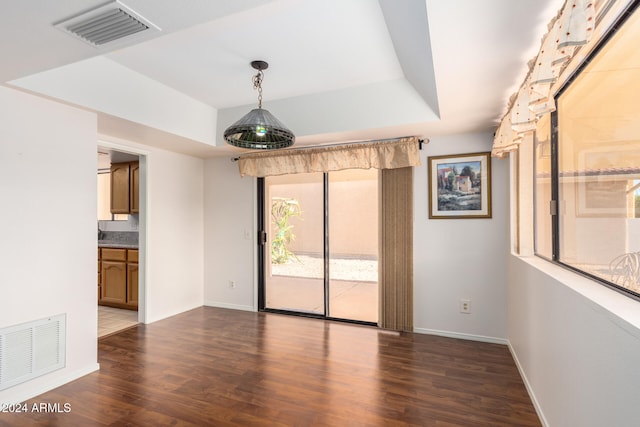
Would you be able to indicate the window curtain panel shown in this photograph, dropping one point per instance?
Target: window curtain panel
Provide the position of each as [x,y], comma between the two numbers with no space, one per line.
[396,250]
[388,154]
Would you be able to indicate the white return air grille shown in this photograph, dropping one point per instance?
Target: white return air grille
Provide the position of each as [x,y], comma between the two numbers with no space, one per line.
[32,349]
[105,24]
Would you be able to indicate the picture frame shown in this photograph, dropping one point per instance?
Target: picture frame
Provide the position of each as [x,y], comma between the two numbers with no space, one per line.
[460,186]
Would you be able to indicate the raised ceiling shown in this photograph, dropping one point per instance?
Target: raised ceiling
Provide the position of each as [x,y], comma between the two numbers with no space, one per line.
[339,70]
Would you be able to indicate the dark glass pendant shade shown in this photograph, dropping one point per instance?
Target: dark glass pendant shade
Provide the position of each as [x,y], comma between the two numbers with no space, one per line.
[259,129]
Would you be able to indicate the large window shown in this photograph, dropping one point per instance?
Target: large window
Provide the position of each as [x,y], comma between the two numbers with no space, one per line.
[542,168]
[591,205]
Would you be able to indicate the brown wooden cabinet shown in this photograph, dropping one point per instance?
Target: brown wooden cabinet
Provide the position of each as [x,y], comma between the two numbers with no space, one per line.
[125,188]
[120,188]
[99,279]
[118,283]
[132,277]
[114,282]
[132,284]
[134,187]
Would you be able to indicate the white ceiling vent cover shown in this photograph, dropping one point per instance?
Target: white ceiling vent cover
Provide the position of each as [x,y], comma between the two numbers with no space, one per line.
[108,23]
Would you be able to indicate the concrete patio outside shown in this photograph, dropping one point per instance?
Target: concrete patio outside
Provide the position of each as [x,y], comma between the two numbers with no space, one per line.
[298,286]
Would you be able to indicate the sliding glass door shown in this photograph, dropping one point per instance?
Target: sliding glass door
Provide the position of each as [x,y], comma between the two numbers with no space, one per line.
[294,263]
[353,244]
[319,250]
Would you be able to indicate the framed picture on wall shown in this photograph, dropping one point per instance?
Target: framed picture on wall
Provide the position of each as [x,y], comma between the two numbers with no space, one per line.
[460,186]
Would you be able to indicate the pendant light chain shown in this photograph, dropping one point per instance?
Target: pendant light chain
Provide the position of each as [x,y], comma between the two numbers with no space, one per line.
[257,84]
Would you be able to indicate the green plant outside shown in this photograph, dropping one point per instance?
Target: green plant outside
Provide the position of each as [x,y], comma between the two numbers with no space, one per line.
[282,209]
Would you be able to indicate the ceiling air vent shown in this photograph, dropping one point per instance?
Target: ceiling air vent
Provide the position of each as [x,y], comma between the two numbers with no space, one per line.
[106,24]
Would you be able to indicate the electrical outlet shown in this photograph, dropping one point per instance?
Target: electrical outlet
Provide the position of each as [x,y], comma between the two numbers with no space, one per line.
[232,284]
[465,306]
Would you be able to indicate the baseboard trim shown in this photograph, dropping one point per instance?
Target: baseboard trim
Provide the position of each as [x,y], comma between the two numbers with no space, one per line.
[30,393]
[525,380]
[462,336]
[227,305]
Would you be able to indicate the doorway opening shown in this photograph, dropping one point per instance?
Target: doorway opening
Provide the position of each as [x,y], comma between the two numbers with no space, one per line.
[121,211]
[318,252]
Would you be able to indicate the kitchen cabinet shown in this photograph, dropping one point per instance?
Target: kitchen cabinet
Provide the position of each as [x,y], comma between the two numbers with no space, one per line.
[114,282]
[134,187]
[118,284]
[125,188]
[120,188]
[99,279]
[132,284]
[132,277]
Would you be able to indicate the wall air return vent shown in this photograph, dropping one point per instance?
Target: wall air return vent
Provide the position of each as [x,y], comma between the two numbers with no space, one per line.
[32,349]
[107,24]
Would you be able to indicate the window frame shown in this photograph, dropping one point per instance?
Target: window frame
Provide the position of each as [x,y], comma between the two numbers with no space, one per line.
[262,242]
[634,7]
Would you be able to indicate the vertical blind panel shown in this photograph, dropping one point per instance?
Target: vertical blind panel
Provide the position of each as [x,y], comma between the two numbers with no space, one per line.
[396,249]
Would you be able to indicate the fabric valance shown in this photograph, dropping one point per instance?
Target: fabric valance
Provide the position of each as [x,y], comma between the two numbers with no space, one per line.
[387,154]
[505,139]
[573,27]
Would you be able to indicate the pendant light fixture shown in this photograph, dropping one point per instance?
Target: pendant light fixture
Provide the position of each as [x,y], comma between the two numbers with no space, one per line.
[259,129]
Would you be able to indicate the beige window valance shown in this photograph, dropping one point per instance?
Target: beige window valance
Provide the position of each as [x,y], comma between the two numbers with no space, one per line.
[574,26]
[388,154]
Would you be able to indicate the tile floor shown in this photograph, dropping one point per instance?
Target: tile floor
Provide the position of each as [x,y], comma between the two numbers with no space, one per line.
[112,320]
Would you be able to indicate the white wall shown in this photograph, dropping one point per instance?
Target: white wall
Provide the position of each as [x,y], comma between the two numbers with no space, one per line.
[48,247]
[171,223]
[453,258]
[580,361]
[175,245]
[131,224]
[230,205]
[461,258]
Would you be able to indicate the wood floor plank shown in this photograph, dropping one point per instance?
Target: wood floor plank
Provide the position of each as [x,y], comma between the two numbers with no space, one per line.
[218,367]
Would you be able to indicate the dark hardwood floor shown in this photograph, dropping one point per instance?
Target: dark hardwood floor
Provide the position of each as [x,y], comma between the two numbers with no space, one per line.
[218,367]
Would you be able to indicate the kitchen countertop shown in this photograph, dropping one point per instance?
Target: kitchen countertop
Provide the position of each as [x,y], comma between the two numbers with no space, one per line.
[117,239]
[114,244]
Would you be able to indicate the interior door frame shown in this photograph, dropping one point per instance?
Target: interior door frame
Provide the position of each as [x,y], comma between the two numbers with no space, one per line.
[143,261]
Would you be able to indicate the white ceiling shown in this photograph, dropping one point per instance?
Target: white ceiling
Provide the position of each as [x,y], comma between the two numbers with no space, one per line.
[339,70]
